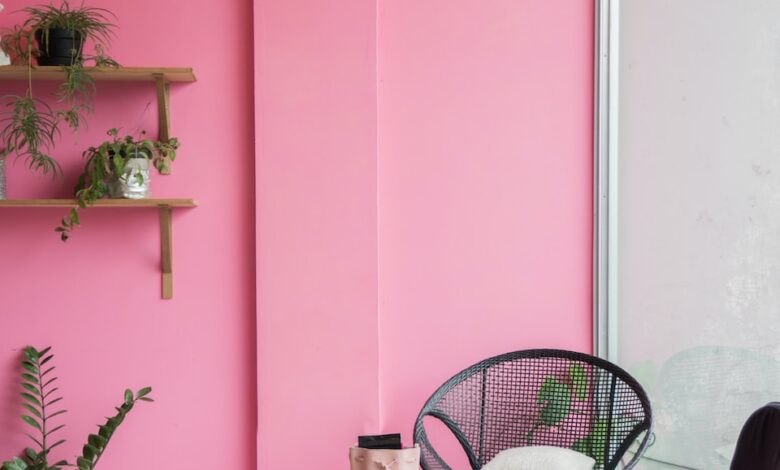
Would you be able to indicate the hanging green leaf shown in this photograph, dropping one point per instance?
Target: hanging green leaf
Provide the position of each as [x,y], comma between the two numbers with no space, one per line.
[579,380]
[594,444]
[556,398]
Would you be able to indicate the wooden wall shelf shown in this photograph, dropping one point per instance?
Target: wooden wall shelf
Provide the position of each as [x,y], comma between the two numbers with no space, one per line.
[99,203]
[161,76]
[165,206]
[121,74]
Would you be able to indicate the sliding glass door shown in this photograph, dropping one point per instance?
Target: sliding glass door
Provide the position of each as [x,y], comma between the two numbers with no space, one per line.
[695,218]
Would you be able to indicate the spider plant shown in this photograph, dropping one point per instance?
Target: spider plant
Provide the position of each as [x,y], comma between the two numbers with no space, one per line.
[30,125]
[88,23]
[30,131]
[17,43]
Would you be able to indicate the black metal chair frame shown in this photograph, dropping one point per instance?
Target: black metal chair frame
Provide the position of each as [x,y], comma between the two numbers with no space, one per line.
[431,460]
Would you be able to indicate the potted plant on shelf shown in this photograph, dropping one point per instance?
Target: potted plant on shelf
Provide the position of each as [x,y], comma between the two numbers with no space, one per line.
[118,168]
[39,398]
[60,32]
[52,35]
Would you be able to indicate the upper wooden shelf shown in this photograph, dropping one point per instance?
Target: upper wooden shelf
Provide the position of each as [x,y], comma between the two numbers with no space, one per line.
[122,74]
[100,203]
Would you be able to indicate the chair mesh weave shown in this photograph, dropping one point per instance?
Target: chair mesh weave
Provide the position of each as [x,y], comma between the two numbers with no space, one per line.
[539,397]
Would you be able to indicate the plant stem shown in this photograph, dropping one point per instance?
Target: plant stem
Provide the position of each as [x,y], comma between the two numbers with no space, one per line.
[29,68]
[44,450]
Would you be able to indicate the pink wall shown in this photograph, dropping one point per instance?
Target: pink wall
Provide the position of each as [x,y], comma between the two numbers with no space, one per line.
[485,151]
[413,222]
[97,299]
[423,175]
[316,229]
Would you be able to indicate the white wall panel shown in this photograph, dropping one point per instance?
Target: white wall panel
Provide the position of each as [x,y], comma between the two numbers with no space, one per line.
[699,217]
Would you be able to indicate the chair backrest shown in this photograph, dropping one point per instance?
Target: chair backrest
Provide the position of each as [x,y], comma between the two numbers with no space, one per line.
[540,397]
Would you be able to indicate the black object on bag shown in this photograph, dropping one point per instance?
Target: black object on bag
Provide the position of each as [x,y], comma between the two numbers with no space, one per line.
[385,441]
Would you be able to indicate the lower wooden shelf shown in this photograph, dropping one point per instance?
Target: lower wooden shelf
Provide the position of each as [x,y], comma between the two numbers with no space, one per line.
[99,203]
[165,206]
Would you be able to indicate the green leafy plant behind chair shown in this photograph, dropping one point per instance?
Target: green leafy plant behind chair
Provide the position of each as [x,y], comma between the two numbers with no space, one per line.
[40,399]
[539,397]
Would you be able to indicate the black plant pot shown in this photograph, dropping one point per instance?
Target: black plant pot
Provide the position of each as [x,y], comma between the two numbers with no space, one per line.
[59,46]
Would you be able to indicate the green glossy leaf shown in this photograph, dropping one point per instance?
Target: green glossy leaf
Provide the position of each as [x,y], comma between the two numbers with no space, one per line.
[30,398]
[83,464]
[31,355]
[105,432]
[96,441]
[89,453]
[32,422]
[579,380]
[30,378]
[144,391]
[33,410]
[556,398]
[15,464]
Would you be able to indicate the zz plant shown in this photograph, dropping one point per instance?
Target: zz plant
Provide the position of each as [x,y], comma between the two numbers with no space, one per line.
[107,163]
[30,126]
[40,397]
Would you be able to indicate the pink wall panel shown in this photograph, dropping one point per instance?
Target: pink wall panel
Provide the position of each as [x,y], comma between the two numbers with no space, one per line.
[316,230]
[97,298]
[415,221]
[484,157]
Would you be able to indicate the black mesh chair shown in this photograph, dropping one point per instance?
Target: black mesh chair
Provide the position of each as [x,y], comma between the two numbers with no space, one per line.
[540,397]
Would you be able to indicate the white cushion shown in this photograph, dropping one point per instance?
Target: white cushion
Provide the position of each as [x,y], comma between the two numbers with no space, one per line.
[540,458]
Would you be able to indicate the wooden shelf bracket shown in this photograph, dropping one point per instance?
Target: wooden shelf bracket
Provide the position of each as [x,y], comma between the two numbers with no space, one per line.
[164,206]
[166,248]
[164,114]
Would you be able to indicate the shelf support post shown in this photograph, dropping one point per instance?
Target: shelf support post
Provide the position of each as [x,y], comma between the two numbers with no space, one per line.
[166,247]
[164,114]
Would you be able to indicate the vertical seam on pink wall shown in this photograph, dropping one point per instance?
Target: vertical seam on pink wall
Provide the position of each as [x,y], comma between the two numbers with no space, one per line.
[379,414]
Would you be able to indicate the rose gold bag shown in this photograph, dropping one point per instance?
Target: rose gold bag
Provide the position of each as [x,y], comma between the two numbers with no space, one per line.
[384,459]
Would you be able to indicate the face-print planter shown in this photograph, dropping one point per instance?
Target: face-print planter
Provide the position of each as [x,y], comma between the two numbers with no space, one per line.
[135,182]
[384,459]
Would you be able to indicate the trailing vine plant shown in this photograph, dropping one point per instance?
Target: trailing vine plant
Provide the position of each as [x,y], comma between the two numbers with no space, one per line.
[40,397]
[30,126]
[107,163]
